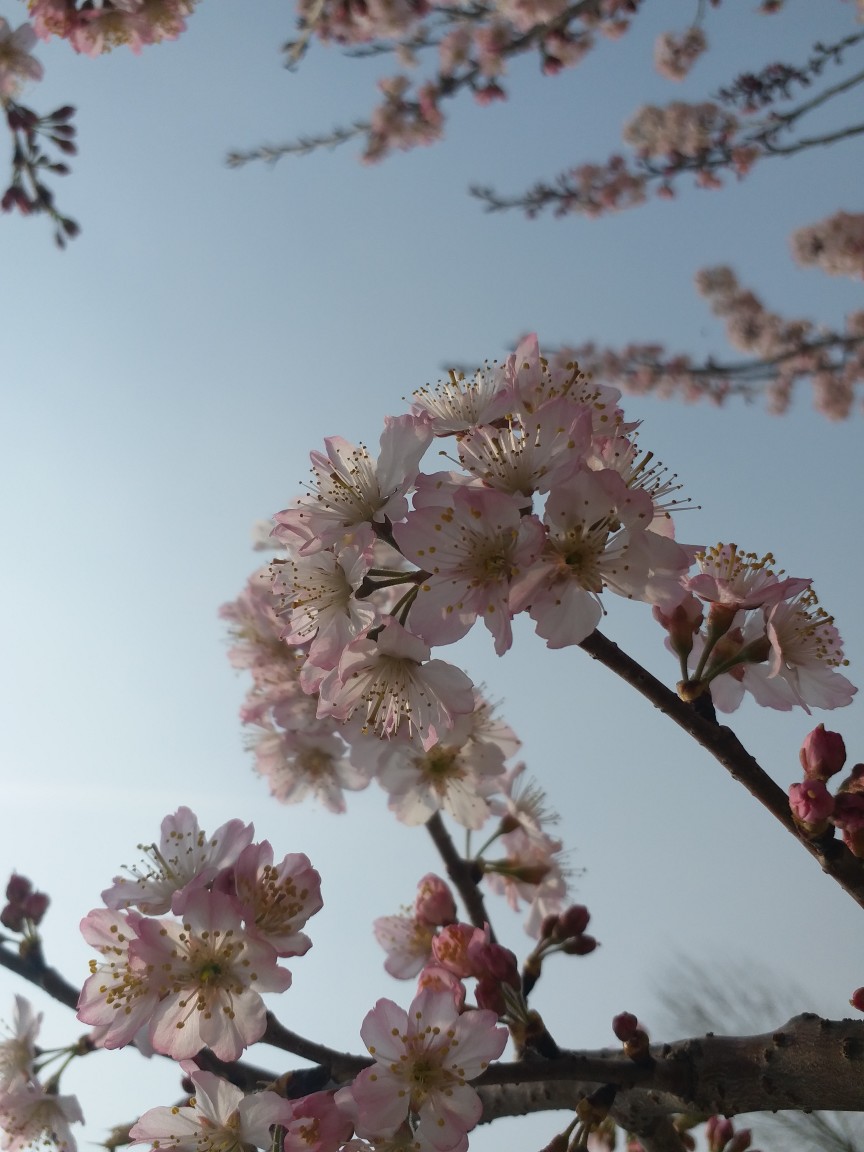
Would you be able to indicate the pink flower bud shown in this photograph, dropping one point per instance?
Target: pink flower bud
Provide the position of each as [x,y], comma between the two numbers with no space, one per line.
[572,922]
[857,1000]
[580,946]
[434,904]
[624,1025]
[811,802]
[718,1131]
[822,753]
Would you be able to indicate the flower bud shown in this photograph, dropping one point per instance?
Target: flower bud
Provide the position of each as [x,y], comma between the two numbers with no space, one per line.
[811,805]
[857,1000]
[573,921]
[624,1025]
[579,946]
[434,904]
[823,753]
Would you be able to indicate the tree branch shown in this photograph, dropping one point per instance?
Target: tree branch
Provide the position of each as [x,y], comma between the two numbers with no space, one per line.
[834,857]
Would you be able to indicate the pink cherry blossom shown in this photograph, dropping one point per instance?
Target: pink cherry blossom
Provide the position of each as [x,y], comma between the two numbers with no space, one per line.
[457,404]
[407,941]
[811,802]
[310,761]
[118,997]
[185,855]
[30,1116]
[806,653]
[218,1118]
[316,1124]
[208,974]
[317,597]
[18,1051]
[823,753]
[351,489]
[16,63]
[434,903]
[734,579]
[392,681]
[471,549]
[277,900]
[424,1059]
[598,538]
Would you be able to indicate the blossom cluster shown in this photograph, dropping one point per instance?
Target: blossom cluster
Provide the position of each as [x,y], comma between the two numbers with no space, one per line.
[31,1112]
[178,984]
[92,29]
[823,755]
[836,244]
[763,633]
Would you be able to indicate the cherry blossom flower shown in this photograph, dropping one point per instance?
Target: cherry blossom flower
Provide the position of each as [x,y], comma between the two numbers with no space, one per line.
[277,900]
[395,683]
[185,856]
[316,1124]
[434,903]
[457,404]
[598,538]
[407,940]
[18,1051]
[424,1059]
[299,763]
[472,548]
[674,56]
[30,1116]
[208,974]
[16,63]
[118,998]
[806,653]
[351,489]
[734,579]
[218,1118]
[317,597]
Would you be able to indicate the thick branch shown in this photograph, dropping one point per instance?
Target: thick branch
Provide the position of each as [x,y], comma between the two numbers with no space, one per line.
[833,856]
[809,1063]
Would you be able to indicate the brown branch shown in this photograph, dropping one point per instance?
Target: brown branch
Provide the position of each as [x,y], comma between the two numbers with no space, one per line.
[31,966]
[834,857]
[341,1065]
[463,873]
[808,1063]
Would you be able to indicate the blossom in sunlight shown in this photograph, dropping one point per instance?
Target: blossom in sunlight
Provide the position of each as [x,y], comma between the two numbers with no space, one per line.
[734,579]
[16,63]
[184,855]
[30,1116]
[457,404]
[218,1118]
[350,488]
[806,651]
[424,1059]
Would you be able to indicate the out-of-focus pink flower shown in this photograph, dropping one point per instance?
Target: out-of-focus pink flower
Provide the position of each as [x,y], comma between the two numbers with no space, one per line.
[674,56]
[434,903]
[30,1116]
[407,942]
[16,63]
[18,1051]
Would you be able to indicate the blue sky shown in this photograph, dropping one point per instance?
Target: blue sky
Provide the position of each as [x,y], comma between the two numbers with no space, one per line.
[163,383]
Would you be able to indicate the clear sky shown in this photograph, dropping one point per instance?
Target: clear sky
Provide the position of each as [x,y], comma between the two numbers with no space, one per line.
[163,382]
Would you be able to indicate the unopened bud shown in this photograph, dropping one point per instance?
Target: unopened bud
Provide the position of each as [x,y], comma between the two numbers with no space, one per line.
[580,946]
[573,921]
[857,1000]
[822,753]
[624,1025]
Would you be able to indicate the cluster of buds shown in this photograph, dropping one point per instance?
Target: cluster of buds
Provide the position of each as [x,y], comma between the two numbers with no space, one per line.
[24,907]
[722,1137]
[815,810]
[559,932]
[27,191]
[633,1036]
